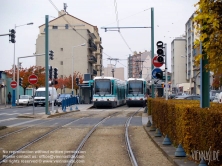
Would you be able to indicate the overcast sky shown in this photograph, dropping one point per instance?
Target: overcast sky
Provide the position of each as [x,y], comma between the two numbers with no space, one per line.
[170,17]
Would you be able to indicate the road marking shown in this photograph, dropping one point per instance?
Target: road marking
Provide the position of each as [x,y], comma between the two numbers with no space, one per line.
[9,114]
[17,124]
[7,119]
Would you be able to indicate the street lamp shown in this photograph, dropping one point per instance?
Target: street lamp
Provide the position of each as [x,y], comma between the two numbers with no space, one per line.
[13,94]
[73,60]
[14,49]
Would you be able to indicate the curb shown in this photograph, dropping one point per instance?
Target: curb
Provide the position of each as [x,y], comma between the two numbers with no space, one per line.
[168,150]
[45,116]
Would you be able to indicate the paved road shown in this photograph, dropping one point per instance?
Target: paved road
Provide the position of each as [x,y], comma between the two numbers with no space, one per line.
[9,118]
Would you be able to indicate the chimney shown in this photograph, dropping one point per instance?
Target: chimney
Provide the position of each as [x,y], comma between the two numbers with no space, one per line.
[62,12]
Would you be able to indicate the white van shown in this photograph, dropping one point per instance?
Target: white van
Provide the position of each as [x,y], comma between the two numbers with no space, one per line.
[40,95]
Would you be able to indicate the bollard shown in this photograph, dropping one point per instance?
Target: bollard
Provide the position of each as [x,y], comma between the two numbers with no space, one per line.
[152,128]
[77,107]
[145,110]
[158,133]
[148,123]
[166,141]
[70,109]
[202,163]
[180,151]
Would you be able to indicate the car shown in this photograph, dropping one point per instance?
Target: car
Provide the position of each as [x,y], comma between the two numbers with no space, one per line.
[216,98]
[171,96]
[188,97]
[25,100]
[61,97]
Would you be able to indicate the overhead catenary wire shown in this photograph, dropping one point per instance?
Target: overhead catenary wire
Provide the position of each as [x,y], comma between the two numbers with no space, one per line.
[67,21]
[117,21]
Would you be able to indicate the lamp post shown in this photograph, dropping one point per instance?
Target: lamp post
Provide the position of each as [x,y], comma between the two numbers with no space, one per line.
[73,60]
[13,93]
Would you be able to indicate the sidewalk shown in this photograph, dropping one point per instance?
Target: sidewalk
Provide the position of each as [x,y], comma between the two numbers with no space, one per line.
[58,112]
[167,150]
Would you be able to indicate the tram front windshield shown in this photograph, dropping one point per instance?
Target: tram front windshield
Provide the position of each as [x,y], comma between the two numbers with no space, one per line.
[102,86]
[135,87]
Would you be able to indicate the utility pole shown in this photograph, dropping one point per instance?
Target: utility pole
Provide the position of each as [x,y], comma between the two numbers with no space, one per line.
[47,65]
[166,74]
[152,45]
[141,67]
[113,59]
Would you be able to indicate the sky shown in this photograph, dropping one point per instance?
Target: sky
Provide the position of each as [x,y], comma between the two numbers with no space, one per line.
[170,17]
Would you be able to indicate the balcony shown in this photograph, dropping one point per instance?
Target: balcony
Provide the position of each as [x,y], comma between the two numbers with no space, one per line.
[94,72]
[92,46]
[92,59]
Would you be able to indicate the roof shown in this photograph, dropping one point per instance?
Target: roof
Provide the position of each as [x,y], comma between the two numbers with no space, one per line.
[130,79]
[71,16]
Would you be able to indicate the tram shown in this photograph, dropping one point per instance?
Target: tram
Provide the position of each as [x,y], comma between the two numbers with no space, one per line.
[136,92]
[108,92]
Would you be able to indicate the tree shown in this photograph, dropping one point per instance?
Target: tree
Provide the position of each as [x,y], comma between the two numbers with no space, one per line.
[26,72]
[217,81]
[208,25]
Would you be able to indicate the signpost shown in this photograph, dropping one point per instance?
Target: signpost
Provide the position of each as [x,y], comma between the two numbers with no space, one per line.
[156,63]
[154,71]
[13,84]
[33,79]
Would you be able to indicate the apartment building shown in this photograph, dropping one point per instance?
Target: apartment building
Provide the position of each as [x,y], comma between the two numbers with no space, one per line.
[139,65]
[111,70]
[192,73]
[178,64]
[76,45]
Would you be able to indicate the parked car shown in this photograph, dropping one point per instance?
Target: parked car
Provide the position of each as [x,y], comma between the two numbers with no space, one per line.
[25,100]
[171,96]
[216,98]
[188,97]
[213,93]
[40,96]
[62,97]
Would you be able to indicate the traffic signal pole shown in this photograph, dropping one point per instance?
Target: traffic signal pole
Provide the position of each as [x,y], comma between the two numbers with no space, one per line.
[47,65]
[17,94]
[205,82]
[152,45]
[166,74]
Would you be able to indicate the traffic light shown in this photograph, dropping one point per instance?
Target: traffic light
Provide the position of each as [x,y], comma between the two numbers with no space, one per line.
[20,81]
[51,55]
[159,75]
[77,81]
[50,72]
[160,52]
[55,73]
[12,35]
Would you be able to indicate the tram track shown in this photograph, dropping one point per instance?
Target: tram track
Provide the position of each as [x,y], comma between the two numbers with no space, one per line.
[127,140]
[38,138]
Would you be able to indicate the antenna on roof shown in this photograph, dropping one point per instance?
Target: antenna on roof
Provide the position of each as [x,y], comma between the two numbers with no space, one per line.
[65,6]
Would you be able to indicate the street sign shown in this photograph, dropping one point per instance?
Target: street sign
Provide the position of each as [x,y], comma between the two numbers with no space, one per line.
[156,63]
[156,70]
[33,79]
[13,84]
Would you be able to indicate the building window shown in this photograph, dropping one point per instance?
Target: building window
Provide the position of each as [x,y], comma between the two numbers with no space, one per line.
[54,27]
[61,49]
[67,26]
[61,62]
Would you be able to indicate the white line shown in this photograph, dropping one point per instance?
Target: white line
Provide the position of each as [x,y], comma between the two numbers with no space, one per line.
[9,114]
[17,124]
[7,119]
